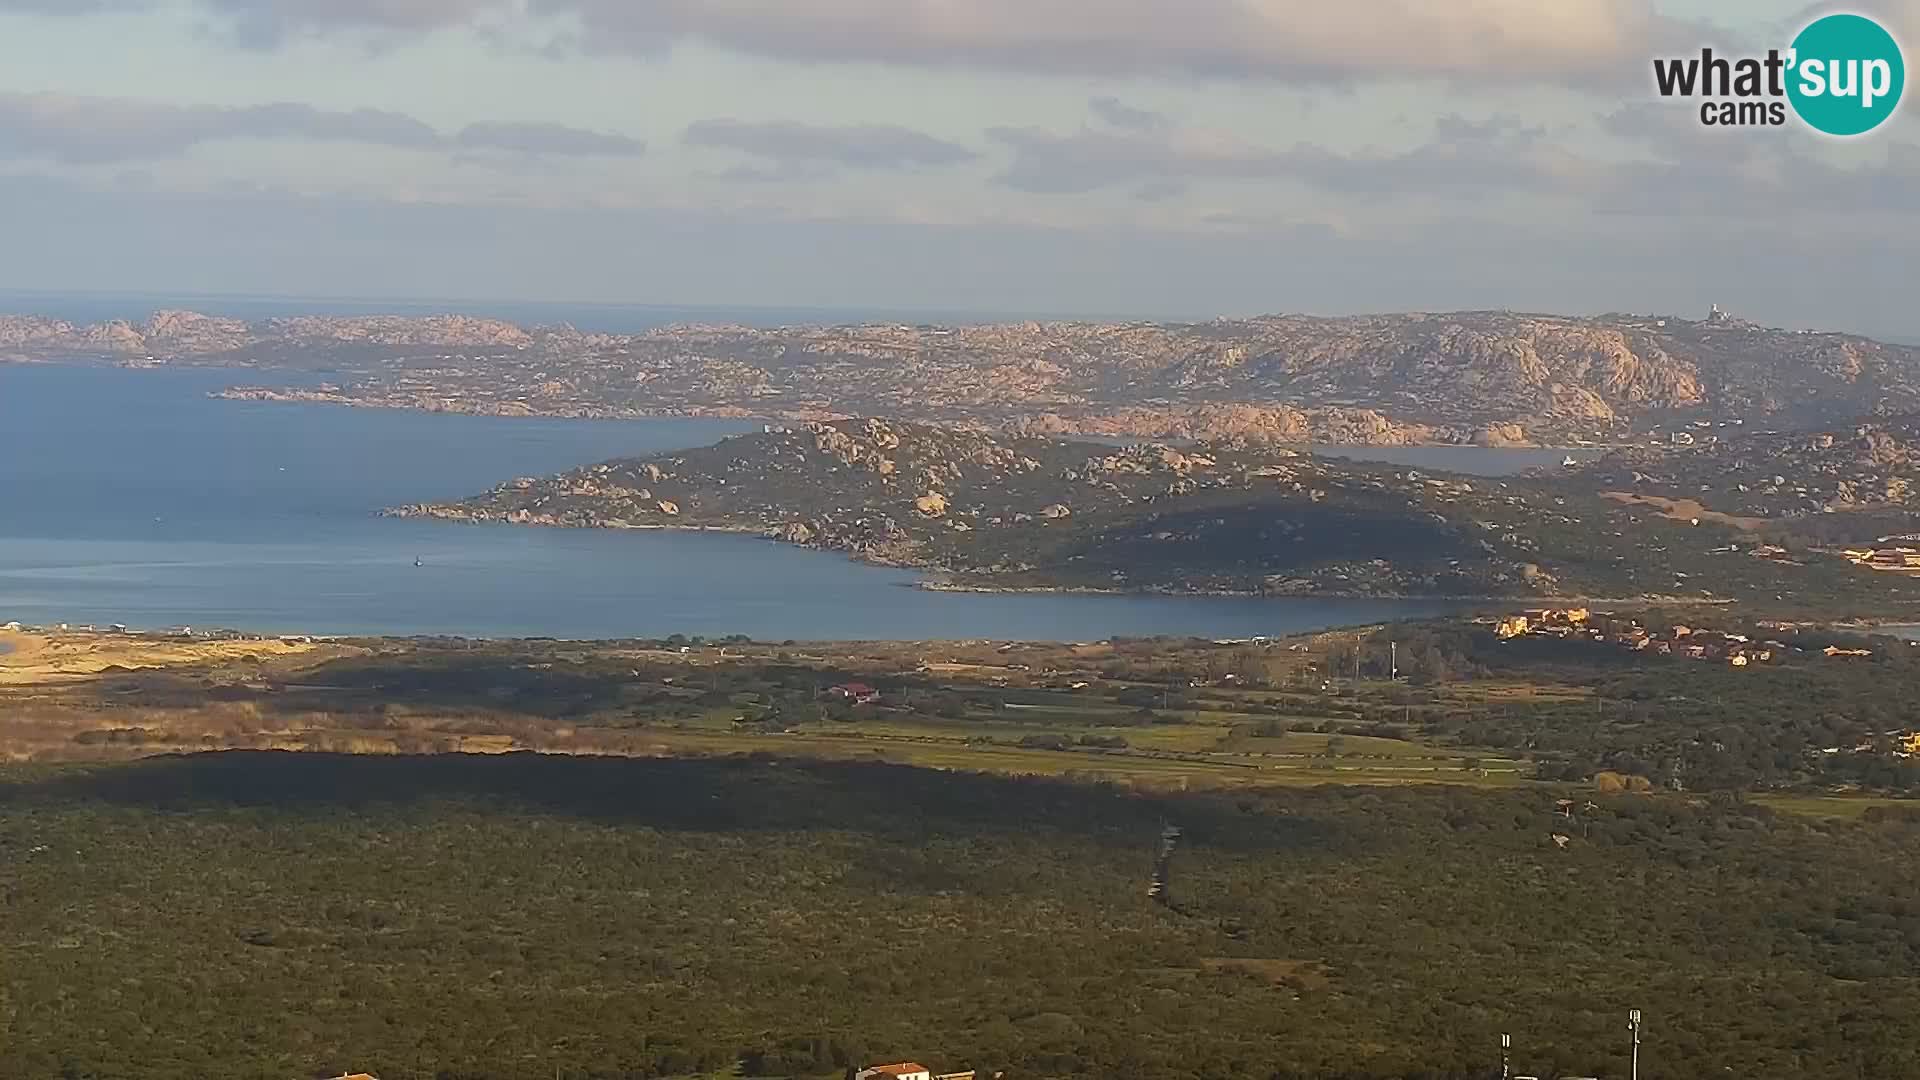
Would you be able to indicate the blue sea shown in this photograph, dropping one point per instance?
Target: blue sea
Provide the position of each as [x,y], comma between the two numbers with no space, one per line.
[132,497]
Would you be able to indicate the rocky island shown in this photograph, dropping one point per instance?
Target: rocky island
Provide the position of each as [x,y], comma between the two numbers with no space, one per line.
[1486,377]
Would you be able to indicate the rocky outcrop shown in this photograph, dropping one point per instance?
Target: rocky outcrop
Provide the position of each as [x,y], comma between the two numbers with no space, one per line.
[1379,379]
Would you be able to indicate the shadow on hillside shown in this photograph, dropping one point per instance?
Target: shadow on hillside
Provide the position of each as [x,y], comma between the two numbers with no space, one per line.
[731,794]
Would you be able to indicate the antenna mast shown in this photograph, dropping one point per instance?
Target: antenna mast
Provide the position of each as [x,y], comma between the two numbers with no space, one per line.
[1633,1025]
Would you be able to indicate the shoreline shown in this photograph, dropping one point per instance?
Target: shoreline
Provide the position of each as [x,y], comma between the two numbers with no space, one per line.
[931,581]
[450,407]
[271,395]
[1251,594]
[32,644]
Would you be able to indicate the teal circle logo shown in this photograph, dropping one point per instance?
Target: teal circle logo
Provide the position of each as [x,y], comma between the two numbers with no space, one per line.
[1846,76]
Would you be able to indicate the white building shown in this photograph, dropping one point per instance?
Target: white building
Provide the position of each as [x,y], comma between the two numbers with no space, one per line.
[905,1070]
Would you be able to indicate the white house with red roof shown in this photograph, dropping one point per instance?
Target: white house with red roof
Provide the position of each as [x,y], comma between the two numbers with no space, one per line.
[905,1070]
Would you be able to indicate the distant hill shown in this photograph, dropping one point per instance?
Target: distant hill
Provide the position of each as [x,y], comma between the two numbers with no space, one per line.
[979,509]
[1491,377]
[1846,481]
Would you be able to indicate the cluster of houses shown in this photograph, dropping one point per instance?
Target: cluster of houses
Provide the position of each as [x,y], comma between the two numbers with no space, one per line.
[17,627]
[1901,743]
[1692,643]
[902,1070]
[1891,554]
[908,1070]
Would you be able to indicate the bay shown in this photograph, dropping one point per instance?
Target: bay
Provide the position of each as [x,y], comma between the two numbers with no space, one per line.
[132,497]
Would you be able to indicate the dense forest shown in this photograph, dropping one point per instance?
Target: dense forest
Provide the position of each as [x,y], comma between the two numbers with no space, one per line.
[471,918]
[1802,720]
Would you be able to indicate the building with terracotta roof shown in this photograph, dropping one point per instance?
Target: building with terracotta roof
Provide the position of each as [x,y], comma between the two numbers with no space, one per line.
[857,692]
[905,1070]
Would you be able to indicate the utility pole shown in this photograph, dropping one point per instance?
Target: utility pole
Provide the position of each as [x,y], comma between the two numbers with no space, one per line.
[1506,1047]
[1633,1025]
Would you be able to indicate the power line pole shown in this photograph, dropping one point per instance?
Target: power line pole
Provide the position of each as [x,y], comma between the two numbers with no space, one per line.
[1633,1025]
[1506,1047]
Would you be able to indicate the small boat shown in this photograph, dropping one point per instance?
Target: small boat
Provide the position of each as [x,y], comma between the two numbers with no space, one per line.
[1568,462]
[417,562]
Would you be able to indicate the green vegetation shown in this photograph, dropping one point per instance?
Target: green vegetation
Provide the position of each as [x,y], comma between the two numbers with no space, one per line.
[274,915]
[1800,721]
[984,510]
[1466,708]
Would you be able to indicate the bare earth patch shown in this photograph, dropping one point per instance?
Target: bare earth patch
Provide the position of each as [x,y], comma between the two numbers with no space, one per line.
[1306,974]
[1684,509]
[37,659]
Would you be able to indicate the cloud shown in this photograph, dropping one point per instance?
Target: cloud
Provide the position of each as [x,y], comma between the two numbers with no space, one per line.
[1502,42]
[1121,115]
[1499,153]
[267,23]
[91,131]
[1670,166]
[1778,174]
[1050,163]
[1154,191]
[84,130]
[1582,43]
[1902,17]
[861,146]
[555,139]
[69,7]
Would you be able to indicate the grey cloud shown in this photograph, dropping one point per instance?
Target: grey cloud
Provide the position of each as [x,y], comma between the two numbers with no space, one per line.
[1463,157]
[1580,42]
[779,172]
[87,131]
[1048,163]
[555,139]
[71,7]
[1272,225]
[1715,172]
[1584,43]
[862,146]
[83,130]
[271,23]
[1121,115]
[266,23]
[1902,17]
[1160,190]
[1677,167]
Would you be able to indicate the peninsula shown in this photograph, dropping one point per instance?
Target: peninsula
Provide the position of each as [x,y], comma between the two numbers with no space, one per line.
[980,510]
[1478,377]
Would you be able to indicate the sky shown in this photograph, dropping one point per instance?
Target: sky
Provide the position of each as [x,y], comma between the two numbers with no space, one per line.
[1115,158]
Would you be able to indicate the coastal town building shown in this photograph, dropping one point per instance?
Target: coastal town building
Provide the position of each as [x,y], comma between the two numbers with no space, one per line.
[857,692]
[1900,559]
[905,1070]
[1679,640]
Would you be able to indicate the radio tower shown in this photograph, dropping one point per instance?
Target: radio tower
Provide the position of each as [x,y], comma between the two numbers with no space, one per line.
[1633,1025]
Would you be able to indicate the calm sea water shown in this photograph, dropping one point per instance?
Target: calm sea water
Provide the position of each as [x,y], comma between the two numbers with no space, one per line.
[130,497]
